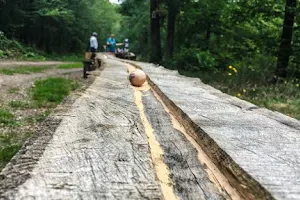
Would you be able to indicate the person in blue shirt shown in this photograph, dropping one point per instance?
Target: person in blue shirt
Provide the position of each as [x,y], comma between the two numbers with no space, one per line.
[111,44]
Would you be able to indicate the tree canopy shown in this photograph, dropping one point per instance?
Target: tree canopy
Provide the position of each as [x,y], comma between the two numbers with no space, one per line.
[62,26]
[213,34]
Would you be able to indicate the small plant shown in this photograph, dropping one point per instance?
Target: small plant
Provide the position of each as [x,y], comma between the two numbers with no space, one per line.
[7,152]
[38,118]
[7,118]
[13,90]
[19,104]
[9,146]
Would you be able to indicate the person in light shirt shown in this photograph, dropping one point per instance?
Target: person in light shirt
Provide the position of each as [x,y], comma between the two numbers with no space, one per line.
[93,45]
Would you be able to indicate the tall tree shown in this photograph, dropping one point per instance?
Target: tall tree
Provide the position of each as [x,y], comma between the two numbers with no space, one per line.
[173,10]
[285,48]
[156,53]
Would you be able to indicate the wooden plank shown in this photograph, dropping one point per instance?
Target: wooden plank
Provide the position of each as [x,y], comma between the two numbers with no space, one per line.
[99,151]
[189,175]
[258,149]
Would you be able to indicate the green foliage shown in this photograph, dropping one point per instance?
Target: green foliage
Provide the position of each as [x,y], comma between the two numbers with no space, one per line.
[13,49]
[194,60]
[135,26]
[22,70]
[70,66]
[51,91]
[62,26]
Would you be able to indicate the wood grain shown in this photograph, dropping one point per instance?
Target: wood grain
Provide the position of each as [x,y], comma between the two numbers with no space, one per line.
[257,148]
[190,178]
[99,150]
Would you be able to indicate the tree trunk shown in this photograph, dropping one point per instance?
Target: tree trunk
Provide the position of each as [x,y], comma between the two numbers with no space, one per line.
[285,48]
[172,14]
[155,32]
[144,41]
[208,35]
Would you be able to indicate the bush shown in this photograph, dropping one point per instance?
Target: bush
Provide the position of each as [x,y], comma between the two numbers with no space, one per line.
[194,60]
[14,49]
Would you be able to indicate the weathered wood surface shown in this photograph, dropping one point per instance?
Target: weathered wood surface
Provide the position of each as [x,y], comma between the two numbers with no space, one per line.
[264,144]
[190,178]
[98,151]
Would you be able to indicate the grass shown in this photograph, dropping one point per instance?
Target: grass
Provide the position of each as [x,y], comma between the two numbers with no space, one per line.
[51,91]
[7,152]
[22,70]
[20,104]
[66,58]
[44,96]
[47,93]
[7,118]
[10,144]
[282,97]
[13,90]
[70,66]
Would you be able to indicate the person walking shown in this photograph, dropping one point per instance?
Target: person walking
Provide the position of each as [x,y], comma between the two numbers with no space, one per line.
[93,45]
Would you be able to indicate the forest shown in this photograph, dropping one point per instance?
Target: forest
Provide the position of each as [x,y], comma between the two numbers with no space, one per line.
[246,48]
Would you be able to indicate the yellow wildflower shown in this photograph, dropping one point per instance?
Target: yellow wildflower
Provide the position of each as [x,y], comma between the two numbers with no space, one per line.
[239,95]
[235,70]
[297,85]
[229,74]
[230,67]
[244,90]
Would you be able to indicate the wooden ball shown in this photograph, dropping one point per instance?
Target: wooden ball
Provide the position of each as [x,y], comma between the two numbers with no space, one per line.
[137,77]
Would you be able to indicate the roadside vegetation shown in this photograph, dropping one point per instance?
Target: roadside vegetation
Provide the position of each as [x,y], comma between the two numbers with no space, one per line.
[70,65]
[18,118]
